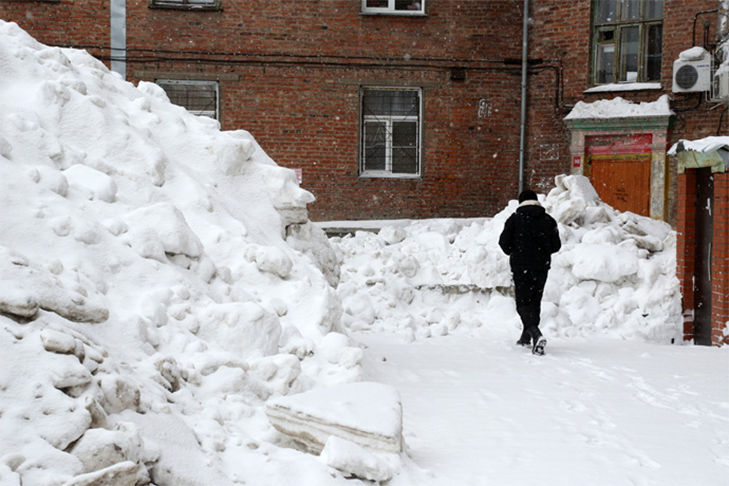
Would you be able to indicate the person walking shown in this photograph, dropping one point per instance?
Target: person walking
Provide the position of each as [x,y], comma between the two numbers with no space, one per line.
[530,236]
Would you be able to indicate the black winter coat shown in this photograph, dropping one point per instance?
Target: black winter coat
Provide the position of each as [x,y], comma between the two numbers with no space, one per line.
[530,237]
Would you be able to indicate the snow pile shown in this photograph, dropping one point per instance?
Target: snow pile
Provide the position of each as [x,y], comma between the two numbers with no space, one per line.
[615,274]
[159,281]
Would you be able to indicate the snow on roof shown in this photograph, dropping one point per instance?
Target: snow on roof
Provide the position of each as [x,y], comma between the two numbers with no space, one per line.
[620,108]
[613,87]
[706,145]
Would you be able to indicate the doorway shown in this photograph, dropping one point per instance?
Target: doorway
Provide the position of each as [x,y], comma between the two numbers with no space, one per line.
[622,181]
[703,256]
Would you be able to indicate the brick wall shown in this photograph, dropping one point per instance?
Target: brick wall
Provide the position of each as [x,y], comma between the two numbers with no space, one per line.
[299,94]
[65,23]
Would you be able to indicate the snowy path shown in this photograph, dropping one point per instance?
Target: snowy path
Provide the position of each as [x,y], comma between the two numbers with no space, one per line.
[479,411]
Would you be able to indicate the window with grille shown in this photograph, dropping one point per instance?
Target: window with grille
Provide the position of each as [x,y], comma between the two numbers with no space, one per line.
[394,7]
[627,41]
[186,4]
[391,124]
[198,97]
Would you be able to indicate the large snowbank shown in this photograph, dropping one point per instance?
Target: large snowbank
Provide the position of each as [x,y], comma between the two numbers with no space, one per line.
[159,281]
[614,275]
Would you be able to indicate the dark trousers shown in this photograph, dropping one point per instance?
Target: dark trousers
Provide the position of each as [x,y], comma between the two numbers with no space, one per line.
[529,288]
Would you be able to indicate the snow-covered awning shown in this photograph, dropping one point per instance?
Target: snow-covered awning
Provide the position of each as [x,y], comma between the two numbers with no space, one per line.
[620,108]
[707,152]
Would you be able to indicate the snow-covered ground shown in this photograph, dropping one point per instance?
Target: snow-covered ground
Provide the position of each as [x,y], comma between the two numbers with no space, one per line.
[169,316]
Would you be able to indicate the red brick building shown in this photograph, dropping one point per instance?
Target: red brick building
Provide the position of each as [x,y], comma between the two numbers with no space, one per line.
[412,108]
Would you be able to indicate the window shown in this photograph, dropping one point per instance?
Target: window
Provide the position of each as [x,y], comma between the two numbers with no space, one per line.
[390,132]
[627,41]
[199,97]
[394,7]
[186,4]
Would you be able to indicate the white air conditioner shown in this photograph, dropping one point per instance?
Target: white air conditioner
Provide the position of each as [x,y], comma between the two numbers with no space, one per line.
[721,85]
[691,76]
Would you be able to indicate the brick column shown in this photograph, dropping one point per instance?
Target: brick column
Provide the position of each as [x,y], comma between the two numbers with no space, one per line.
[686,239]
[720,265]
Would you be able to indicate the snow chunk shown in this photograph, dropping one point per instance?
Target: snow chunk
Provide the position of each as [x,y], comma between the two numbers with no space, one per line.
[367,414]
[354,460]
[50,178]
[273,260]
[605,263]
[160,229]
[27,286]
[121,474]
[92,183]
[99,449]
[243,328]
[180,462]
[696,53]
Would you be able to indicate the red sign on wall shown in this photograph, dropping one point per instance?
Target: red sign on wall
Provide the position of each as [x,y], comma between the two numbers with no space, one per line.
[576,161]
[619,144]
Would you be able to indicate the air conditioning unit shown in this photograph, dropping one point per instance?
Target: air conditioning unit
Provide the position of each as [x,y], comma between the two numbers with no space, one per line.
[692,73]
[721,85]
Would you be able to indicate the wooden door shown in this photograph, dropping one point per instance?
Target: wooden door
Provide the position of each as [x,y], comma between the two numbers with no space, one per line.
[703,256]
[623,181]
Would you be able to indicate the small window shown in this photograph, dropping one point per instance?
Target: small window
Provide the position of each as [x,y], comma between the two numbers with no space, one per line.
[198,97]
[394,7]
[627,41]
[186,4]
[390,132]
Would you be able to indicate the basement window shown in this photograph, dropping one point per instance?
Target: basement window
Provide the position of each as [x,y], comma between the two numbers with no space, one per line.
[391,132]
[198,97]
[393,7]
[186,4]
[627,41]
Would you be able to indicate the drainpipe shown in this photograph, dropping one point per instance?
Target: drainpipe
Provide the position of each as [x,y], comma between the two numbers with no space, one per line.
[524,64]
[118,36]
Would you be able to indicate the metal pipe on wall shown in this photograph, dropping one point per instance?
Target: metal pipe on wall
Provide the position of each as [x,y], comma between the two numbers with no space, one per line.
[118,36]
[524,69]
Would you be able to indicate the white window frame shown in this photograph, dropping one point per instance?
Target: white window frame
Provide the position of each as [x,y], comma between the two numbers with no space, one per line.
[388,121]
[215,113]
[390,9]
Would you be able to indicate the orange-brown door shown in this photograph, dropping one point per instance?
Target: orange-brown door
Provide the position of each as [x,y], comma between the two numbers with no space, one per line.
[623,182]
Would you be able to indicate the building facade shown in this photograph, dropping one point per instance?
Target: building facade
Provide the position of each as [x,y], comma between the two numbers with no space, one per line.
[413,108]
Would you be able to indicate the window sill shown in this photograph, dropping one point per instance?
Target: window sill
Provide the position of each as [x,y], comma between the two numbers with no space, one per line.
[388,175]
[215,7]
[611,88]
[401,13]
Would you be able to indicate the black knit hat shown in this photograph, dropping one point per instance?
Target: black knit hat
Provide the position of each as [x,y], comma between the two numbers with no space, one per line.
[527,195]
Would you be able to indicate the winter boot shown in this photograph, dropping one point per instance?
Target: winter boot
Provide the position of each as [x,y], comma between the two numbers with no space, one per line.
[539,344]
[525,341]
